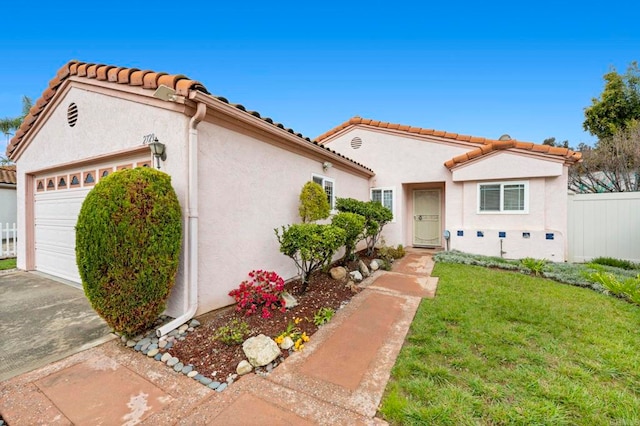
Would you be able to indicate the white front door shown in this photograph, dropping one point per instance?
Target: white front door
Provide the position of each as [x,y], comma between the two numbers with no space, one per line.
[426,218]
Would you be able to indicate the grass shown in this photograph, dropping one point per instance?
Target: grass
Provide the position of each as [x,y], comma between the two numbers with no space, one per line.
[7,264]
[497,347]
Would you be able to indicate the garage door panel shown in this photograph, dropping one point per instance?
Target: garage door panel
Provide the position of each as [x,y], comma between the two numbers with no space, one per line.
[56,214]
[55,262]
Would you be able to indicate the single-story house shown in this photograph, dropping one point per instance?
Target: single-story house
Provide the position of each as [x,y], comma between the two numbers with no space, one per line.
[8,205]
[238,176]
[8,212]
[496,197]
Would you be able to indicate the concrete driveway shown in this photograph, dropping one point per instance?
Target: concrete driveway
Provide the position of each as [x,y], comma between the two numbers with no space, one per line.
[41,321]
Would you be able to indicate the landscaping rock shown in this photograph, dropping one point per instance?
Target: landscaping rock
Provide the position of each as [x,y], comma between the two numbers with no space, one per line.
[214,385]
[289,300]
[260,350]
[356,275]
[178,367]
[244,367]
[194,323]
[165,357]
[338,273]
[363,269]
[205,381]
[192,374]
[352,286]
[222,387]
[172,361]
[374,265]
[152,353]
[287,343]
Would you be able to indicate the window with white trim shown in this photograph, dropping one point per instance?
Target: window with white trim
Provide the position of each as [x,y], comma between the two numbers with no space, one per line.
[384,196]
[503,197]
[328,185]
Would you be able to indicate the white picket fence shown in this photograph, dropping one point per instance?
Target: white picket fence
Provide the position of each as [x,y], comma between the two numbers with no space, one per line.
[604,225]
[8,240]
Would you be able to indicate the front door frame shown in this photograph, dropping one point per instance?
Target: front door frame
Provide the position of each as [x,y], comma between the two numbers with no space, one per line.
[440,188]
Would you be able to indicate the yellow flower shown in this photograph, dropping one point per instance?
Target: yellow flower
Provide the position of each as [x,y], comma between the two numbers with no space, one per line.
[305,337]
[297,320]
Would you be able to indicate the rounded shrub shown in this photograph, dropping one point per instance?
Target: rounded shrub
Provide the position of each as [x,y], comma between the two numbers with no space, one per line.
[314,204]
[353,225]
[128,239]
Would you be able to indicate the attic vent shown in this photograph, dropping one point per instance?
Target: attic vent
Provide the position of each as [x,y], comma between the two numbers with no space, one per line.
[356,143]
[72,114]
[505,137]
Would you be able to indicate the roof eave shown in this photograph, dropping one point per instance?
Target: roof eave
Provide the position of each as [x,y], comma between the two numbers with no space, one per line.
[280,132]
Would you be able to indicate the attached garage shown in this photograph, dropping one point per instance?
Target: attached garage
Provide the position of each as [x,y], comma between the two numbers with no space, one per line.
[57,201]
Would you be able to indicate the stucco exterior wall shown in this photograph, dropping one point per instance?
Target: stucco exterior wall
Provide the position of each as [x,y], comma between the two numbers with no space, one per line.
[248,187]
[106,124]
[8,205]
[397,161]
[406,164]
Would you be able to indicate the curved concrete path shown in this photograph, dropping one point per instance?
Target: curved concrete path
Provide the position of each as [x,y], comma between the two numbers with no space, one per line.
[339,378]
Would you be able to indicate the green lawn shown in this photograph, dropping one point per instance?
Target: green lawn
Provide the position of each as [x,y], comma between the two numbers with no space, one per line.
[498,347]
[7,264]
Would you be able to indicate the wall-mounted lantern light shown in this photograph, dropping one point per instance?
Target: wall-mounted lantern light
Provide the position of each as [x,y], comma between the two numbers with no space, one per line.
[158,150]
[326,166]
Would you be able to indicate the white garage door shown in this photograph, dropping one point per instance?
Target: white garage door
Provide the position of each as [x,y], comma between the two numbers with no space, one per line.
[58,199]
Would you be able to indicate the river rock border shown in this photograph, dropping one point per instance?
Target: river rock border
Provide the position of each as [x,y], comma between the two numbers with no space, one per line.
[158,348]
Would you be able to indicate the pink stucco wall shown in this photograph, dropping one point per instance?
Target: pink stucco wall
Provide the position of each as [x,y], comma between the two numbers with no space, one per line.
[248,187]
[407,163]
[106,124]
[249,182]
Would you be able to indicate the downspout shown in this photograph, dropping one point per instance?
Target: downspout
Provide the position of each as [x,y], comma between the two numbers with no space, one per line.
[191,255]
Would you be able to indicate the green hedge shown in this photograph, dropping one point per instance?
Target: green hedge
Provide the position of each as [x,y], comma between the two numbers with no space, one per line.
[128,239]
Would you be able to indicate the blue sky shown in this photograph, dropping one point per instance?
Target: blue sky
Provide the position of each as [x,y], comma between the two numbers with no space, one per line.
[528,70]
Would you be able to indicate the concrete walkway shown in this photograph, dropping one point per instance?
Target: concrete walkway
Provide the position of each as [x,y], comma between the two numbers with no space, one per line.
[339,378]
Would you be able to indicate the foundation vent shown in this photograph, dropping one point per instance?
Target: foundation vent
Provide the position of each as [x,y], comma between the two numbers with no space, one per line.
[356,143]
[72,114]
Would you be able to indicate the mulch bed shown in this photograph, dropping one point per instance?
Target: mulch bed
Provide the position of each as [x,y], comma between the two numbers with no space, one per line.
[213,358]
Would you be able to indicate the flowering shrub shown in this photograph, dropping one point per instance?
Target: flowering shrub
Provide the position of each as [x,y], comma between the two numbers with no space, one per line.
[297,336]
[262,291]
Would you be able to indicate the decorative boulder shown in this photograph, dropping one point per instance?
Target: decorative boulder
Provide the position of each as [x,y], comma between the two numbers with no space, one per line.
[356,275]
[243,367]
[374,265]
[289,300]
[287,343]
[338,273]
[363,269]
[260,350]
[352,286]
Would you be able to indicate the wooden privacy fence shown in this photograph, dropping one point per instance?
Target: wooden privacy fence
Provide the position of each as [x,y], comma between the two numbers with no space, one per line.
[8,240]
[605,225]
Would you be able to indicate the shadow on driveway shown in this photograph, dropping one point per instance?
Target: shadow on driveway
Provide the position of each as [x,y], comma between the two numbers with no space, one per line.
[42,321]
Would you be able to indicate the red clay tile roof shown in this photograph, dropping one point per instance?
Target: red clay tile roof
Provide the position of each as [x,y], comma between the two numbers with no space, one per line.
[133,77]
[8,174]
[487,145]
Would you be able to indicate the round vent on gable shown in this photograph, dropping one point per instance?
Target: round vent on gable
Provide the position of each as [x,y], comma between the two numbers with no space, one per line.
[356,143]
[72,114]
[505,137]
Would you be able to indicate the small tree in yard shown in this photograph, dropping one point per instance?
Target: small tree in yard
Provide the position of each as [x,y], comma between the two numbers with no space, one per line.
[314,204]
[310,245]
[376,217]
[128,240]
[353,225]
